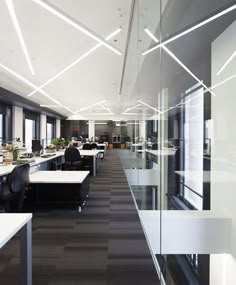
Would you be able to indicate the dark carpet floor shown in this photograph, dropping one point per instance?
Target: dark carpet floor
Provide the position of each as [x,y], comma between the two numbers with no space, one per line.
[102,245]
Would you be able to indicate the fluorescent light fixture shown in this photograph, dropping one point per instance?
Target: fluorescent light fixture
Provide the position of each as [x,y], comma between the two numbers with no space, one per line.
[227,62]
[187,69]
[145,104]
[199,25]
[11,10]
[151,35]
[75,24]
[90,106]
[90,51]
[133,123]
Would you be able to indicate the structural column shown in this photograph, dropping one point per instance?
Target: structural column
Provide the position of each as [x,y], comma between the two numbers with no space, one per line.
[91,129]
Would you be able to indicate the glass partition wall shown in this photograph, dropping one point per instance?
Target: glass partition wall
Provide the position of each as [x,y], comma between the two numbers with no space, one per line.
[180,161]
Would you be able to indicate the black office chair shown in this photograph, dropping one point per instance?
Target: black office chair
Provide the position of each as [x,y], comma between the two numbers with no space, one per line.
[13,191]
[155,146]
[94,146]
[72,159]
[87,146]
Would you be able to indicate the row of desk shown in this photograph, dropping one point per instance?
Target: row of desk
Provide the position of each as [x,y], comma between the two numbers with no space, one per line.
[10,224]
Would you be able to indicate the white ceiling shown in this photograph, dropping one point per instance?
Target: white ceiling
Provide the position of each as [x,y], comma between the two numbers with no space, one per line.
[53,44]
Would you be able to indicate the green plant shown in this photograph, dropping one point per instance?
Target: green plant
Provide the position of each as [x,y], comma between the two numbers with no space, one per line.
[58,141]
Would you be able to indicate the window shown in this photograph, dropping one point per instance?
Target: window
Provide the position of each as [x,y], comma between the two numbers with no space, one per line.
[30,133]
[50,133]
[30,129]
[1,128]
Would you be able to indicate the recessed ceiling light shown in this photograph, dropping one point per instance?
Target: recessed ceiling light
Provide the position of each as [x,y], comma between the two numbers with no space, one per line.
[11,10]
[151,35]
[208,20]
[227,62]
[66,18]
[75,62]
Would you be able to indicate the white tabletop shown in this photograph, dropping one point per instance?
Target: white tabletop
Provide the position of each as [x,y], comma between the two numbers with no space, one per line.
[86,152]
[10,224]
[58,176]
[161,152]
[6,169]
[208,176]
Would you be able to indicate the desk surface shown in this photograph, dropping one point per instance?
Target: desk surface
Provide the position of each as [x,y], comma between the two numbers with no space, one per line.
[68,177]
[6,169]
[161,152]
[10,224]
[89,152]
[208,176]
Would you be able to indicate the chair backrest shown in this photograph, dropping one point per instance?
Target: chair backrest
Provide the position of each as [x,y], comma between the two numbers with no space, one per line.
[19,177]
[94,146]
[72,154]
[155,146]
[87,146]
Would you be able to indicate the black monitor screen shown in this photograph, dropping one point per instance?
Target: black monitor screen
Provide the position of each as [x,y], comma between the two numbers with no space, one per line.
[36,146]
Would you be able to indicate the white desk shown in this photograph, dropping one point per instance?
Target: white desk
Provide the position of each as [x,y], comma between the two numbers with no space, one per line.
[7,169]
[48,178]
[208,176]
[161,152]
[10,224]
[68,177]
[96,157]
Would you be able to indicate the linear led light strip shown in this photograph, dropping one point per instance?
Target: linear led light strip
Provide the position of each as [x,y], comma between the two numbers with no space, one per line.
[227,62]
[180,63]
[107,109]
[11,10]
[187,69]
[32,85]
[129,109]
[150,107]
[66,18]
[75,62]
[90,106]
[233,7]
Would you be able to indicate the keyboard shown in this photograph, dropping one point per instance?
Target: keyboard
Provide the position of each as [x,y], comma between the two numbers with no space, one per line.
[47,155]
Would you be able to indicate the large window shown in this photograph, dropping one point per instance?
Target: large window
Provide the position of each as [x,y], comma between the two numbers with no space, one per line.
[1,128]
[31,128]
[30,133]
[51,129]
[49,133]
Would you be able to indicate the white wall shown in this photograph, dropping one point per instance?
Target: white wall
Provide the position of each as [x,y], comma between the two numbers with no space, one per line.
[223,195]
[17,123]
[58,128]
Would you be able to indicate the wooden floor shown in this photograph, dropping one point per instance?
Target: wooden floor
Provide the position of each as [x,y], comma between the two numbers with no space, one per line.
[102,245]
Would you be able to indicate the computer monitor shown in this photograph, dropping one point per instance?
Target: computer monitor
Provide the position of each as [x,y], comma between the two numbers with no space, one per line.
[36,147]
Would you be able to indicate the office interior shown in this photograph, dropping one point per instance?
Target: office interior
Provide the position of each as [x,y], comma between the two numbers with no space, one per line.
[117,157]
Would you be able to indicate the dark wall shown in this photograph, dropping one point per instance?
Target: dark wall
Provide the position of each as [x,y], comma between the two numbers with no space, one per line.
[74,128]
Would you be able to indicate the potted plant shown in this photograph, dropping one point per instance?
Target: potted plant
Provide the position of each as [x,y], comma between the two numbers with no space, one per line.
[12,152]
[58,142]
